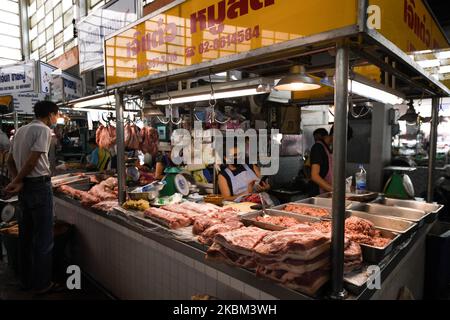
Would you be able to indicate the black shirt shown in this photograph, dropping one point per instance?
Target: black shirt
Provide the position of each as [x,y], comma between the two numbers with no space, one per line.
[320,157]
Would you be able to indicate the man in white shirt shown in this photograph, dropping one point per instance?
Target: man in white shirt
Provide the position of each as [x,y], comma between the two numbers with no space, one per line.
[29,167]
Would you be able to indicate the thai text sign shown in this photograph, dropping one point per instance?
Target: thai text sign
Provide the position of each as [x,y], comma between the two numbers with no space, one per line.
[199,31]
[409,25]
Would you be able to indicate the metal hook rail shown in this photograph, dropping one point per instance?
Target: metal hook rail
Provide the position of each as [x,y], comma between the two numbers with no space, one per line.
[171,119]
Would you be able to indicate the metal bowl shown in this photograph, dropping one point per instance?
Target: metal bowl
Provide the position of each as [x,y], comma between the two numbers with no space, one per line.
[149,196]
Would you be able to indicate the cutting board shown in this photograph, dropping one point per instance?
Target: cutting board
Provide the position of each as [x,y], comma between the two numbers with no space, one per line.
[242,206]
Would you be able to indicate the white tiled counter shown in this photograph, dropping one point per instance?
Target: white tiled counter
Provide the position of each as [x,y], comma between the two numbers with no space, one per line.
[134,262]
[132,265]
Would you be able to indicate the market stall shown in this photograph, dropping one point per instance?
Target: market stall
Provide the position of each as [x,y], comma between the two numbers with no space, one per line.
[267,254]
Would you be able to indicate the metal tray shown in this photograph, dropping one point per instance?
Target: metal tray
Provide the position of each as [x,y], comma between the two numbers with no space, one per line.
[403,227]
[281,207]
[431,208]
[249,219]
[366,197]
[375,254]
[370,254]
[412,215]
[326,202]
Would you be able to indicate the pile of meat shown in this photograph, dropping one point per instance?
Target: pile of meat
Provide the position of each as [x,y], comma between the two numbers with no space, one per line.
[236,247]
[364,232]
[307,210]
[106,190]
[105,136]
[103,195]
[281,221]
[255,198]
[297,257]
[86,198]
[207,219]
[358,230]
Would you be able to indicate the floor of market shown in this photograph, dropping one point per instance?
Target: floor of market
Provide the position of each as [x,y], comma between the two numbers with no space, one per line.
[10,290]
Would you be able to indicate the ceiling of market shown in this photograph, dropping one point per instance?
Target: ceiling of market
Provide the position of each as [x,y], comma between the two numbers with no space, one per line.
[441,10]
[320,61]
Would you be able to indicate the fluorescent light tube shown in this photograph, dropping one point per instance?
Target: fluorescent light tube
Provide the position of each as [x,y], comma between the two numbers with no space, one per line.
[444,69]
[373,93]
[96,102]
[443,55]
[206,97]
[429,63]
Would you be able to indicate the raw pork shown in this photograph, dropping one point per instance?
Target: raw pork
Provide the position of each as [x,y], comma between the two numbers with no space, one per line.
[168,219]
[149,140]
[207,237]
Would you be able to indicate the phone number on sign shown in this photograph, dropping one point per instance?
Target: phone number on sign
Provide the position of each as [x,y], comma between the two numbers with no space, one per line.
[224,41]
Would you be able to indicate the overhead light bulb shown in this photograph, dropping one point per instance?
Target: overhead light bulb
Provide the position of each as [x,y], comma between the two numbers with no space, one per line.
[297,80]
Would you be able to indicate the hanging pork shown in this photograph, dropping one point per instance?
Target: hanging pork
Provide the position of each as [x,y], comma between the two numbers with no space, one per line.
[106,136]
[150,140]
[132,137]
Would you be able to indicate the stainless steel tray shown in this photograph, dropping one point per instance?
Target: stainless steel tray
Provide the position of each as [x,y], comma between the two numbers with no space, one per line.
[412,215]
[431,208]
[326,202]
[365,197]
[249,219]
[370,254]
[281,207]
[403,227]
[375,254]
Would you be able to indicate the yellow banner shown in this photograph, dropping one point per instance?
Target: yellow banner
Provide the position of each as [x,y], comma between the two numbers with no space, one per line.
[198,31]
[409,25]
[6,100]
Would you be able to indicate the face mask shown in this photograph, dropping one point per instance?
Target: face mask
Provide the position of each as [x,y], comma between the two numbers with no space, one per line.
[53,126]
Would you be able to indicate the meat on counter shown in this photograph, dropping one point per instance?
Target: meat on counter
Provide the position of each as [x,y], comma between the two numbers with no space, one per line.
[358,230]
[168,219]
[281,221]
[307,210]
[236,246]
[207,236]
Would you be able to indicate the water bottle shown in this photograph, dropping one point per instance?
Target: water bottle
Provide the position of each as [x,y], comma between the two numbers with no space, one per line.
[360,177]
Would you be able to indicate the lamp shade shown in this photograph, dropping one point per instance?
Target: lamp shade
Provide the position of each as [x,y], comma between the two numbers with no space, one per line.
[297,80]
[151,110]
[411,116]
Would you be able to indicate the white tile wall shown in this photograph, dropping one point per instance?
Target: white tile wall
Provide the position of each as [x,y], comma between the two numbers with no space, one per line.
[132,266]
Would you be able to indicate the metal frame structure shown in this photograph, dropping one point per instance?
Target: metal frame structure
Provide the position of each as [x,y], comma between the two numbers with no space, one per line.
[355,39]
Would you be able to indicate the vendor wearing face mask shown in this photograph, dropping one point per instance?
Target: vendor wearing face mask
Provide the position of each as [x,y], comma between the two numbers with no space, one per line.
[237,179]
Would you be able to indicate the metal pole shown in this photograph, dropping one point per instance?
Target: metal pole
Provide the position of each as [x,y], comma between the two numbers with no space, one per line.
[433,143]
[120,146]
[339,160]
[16,121]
